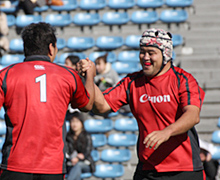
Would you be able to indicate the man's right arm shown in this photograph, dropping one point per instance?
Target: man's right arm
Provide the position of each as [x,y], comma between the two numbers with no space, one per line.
[89,85]
[100,104]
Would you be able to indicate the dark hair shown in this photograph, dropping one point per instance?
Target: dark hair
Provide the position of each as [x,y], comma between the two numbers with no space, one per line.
[77,115]
[37,38]
[74,59]
[102,58]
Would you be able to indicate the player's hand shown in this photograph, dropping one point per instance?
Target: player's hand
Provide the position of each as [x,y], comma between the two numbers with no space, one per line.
[80,156]
[85,65]
[82,66]
[74,161]
[155,139]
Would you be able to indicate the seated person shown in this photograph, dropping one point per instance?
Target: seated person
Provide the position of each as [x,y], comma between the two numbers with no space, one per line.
[106,76]
[79,147]
[210,165]
[71,61]
[4,30]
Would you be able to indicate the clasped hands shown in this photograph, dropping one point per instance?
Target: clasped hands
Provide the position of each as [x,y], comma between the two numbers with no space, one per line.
[85,66]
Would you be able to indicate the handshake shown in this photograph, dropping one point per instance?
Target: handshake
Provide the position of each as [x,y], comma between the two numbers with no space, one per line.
[86,67]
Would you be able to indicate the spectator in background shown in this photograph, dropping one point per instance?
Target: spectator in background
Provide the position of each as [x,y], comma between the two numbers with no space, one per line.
[79,147]
[106,76]
[210,165]
[71,61]
[29,5]
[4,42]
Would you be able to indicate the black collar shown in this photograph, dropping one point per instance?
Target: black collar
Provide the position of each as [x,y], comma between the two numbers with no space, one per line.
[37,58]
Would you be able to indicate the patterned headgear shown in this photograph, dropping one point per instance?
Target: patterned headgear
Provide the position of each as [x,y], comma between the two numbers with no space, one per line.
[160,39]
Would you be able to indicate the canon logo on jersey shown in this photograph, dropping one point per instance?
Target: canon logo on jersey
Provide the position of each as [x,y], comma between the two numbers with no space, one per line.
[154,99]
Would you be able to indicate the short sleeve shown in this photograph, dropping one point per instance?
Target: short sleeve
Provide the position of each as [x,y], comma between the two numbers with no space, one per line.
[117,96]
[80,97]
[3,86]
[189,91]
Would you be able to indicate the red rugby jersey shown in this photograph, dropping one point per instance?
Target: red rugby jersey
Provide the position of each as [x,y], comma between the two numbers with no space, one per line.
[35,95]
[156,104]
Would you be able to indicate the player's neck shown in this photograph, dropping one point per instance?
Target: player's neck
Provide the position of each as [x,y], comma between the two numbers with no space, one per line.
[165,68]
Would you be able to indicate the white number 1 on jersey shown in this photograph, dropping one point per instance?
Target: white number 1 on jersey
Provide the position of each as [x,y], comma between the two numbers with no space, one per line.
[43,90]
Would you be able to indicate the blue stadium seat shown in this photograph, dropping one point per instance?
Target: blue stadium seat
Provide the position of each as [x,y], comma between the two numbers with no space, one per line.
[115,18]
[8,59]
[10,20]
[56,59]
[179,3]
[216,136]
[173,16]
[173,55]
[123,139]
[64,55]
[129,56]
[121,4]
[98,125]
[127,114]
[59,20]
[110,58]
[67,126]
[133,41]
[115,155]
[68,5]
[95,155]
[61,43]
[218,122]
[92,5]
[177,39]
[24,20]
[86,175]
[16,45]
[150,3]
[112,114]
[109,42]
[10,10]
[2,113]
[86,19]
[98,140]
[109,171]
[2,141]
[126,67]
[80,43]
[216,153]
[144,17]
[2,128]
[41,9]
[126,124]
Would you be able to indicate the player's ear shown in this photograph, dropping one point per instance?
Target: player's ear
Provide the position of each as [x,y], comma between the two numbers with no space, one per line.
[50,52]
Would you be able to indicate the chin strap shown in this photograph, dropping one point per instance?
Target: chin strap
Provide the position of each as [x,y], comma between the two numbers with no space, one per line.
[162,66]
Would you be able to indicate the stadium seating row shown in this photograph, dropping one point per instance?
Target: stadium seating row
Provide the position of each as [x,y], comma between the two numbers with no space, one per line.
[124,65]
[106,171]
[105,125]
[108,18]
[102,42]
[88,5]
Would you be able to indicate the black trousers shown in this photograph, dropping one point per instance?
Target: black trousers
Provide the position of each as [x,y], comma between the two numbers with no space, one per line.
[183,175]
[11,175]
